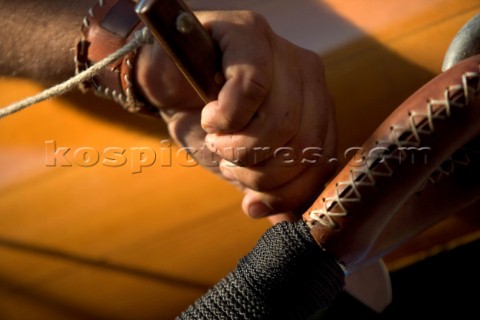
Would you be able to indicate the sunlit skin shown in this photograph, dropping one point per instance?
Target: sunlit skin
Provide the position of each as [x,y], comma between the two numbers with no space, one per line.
[274,97]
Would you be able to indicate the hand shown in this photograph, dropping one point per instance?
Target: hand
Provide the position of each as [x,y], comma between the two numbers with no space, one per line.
[271,131]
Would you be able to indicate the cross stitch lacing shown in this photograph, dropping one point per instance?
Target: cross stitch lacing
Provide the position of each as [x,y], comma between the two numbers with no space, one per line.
[420,123]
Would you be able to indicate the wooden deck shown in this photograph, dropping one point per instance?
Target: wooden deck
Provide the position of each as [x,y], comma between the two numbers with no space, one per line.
[97,242]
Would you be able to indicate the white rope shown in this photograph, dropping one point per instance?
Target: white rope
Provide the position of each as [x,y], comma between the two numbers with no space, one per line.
[140,38]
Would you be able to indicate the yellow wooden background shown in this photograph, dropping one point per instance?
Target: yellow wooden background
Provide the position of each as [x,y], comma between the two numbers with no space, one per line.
[103,243]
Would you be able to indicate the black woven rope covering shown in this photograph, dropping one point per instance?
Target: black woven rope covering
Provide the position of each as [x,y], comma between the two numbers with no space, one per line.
[285,276]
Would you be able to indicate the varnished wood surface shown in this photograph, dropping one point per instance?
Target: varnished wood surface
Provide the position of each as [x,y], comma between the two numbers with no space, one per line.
[118,244]
[103,243]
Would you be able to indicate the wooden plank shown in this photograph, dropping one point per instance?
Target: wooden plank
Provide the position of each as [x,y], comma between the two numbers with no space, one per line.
[163,221]
[156,221]
[368,79]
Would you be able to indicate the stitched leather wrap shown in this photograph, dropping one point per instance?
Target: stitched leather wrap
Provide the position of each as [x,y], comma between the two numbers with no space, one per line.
[109,25]
[383,179]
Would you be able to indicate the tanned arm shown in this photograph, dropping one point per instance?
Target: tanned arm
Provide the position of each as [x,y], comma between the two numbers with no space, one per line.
[37,37]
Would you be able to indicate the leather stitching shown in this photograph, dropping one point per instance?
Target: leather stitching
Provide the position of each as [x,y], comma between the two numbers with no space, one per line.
[127,97]
[455,96]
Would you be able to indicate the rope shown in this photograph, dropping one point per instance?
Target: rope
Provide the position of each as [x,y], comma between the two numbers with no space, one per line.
[140,38]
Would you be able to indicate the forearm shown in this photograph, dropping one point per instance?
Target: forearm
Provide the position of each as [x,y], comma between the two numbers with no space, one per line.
[286,276]
[37,37]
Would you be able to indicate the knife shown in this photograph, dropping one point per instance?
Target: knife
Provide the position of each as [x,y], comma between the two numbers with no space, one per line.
[191,47]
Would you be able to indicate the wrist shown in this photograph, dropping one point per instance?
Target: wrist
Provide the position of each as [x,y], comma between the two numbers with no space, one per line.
[108,26]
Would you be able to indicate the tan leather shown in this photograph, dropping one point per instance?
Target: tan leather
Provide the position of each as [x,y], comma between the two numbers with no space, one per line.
[109,25]
[351,217]
[187,43]
[448,191]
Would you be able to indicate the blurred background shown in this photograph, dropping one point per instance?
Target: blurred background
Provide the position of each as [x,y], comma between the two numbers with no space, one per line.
[83,241]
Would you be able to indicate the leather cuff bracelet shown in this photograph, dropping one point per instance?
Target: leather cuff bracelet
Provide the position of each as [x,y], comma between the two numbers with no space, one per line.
[109,25]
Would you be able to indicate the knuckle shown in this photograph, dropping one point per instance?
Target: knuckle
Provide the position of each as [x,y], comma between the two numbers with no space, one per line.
[260,181]
[232,122]
[255,20]
[315,62]
[251,179]
[290,127]
[254,88]
[235,157]
[257,182]
[255,84]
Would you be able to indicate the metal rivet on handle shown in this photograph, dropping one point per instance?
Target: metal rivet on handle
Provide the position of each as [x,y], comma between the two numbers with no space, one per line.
[185,22]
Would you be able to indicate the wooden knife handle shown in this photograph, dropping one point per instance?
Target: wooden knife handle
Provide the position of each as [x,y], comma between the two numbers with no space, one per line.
[187,42]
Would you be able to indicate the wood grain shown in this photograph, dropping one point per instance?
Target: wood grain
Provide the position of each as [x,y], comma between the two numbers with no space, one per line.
[102,243]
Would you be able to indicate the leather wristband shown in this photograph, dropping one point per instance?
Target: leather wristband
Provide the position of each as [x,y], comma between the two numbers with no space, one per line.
[109,25]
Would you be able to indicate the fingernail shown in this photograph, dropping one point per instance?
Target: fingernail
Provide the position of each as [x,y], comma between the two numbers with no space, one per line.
[209,128]
[226,172]
[259,210]
[210,142]
[207,119]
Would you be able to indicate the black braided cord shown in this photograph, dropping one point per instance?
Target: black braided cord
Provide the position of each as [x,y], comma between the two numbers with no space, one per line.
[285,276]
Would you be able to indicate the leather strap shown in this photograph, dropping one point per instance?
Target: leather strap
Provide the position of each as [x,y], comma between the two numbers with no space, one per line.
[371,204]
[109,25]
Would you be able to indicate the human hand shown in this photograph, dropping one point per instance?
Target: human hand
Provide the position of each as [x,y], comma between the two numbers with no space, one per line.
[271,131]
